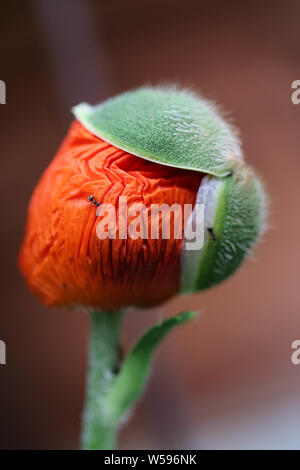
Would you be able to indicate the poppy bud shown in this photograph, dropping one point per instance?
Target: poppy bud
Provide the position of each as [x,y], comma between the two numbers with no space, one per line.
[150,146]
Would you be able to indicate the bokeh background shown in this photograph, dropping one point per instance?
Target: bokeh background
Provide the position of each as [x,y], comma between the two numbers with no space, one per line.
[226,382]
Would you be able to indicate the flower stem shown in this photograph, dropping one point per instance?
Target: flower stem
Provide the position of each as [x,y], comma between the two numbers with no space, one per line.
[112,393]
[99,432]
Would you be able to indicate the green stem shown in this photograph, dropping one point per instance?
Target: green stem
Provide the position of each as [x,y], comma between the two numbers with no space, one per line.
[111,395]
[99,432]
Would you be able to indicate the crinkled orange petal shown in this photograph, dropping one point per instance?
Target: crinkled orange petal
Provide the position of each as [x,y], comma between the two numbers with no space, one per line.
[63,260]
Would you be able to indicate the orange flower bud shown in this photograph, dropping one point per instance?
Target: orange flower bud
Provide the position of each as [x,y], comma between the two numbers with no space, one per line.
[63,259]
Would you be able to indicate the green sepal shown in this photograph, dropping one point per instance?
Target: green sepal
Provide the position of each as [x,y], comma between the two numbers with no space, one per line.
[239,221]
[167,126]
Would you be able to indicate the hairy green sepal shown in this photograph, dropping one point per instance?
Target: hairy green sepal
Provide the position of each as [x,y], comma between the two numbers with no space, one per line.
[238,223]
[165,125]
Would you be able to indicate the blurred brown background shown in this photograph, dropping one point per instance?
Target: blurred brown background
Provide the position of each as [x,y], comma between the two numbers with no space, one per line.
[227,381]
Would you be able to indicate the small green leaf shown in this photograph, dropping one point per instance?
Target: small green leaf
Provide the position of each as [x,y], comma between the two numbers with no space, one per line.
[165,125]
[131,380]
